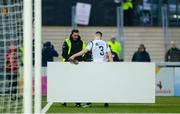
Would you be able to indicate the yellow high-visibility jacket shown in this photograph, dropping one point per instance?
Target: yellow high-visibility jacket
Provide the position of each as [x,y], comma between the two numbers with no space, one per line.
[68,41]
[115,47]
[127,5]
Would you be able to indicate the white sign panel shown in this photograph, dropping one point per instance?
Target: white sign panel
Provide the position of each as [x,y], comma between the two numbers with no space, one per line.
[177,82]
[83,11]
[101,82]
[165,82]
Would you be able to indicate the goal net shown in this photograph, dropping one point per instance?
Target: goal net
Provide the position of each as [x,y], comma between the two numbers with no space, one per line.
[11,56]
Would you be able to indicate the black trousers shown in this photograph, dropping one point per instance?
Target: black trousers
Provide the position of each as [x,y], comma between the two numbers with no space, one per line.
[128,17]
[12,83]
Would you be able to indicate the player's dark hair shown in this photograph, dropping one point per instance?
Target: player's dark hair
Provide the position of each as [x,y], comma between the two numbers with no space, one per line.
[74,31]
[98,32]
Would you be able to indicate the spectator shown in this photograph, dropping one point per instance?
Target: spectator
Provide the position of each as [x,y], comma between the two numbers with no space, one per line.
[141,55]
[48,53]
[127,6]
[72,45]
[21,51]
[12,70]
[5,12]
[116,48]
[173,54]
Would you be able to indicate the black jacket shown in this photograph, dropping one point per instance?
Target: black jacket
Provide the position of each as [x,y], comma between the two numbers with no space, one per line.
[48,54]
[173,55]
[141,57]
[77,46]
[115,57]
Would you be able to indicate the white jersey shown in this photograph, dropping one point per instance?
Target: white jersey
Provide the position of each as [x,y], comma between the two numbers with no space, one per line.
[99,50]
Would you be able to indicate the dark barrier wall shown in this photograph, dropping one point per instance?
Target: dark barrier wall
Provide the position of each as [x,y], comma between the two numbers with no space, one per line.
[103,13]
[58,12]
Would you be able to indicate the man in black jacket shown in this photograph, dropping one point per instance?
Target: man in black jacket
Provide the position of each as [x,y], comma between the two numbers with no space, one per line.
[173,54]
[141,55]
[48,53]
[73,45]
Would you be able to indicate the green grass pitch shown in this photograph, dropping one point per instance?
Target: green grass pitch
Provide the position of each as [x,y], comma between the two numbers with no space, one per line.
[162,105]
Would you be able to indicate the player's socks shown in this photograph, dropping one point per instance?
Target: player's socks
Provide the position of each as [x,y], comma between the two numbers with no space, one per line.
[78,105]
[87,106]
[106,105]
[64,104]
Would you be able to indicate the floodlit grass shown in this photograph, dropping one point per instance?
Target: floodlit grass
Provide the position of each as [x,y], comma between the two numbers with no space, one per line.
[162,105]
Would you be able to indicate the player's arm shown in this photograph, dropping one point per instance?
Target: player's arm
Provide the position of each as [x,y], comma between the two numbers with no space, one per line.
[78,54]
[84,51]
[65,49]
[110,58]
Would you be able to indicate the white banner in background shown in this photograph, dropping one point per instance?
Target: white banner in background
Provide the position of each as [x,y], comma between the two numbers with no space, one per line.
[83,11]
[164,81]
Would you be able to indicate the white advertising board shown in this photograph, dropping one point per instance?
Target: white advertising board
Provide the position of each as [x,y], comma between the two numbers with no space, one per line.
[101,82]
[165,81]
[177,82]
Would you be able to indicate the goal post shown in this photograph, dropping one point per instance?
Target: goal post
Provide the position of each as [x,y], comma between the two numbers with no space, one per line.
[27,38]
[28,48]
[37,35]
[18,27]
[16,56]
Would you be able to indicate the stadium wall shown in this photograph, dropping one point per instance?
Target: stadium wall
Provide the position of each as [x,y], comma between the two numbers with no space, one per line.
[152,37]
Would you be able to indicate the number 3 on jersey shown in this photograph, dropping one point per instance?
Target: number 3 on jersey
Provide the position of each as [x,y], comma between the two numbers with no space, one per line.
[101,50]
